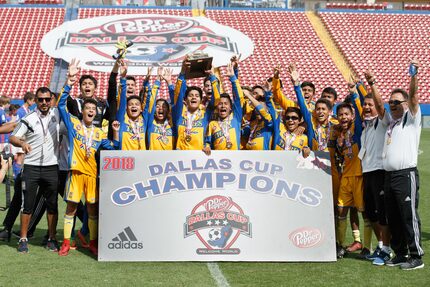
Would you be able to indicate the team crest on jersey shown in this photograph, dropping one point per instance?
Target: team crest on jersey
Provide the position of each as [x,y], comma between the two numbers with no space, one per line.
[157,38]
[217,221]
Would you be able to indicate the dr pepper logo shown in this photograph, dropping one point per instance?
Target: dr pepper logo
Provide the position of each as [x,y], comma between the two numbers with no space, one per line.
[217,221]
[157,39]
[306,237]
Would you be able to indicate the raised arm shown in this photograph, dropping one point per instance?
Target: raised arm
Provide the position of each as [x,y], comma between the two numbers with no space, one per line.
[167,76]
[122,97]
[278,96]
[379,104]
[235,85]
[413,100]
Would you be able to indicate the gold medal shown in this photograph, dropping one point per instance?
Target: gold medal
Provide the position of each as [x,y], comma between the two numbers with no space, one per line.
[229,145]
[188,138]
[388,141]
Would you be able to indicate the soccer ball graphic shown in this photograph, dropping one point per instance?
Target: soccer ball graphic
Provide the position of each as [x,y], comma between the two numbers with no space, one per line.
[214,234]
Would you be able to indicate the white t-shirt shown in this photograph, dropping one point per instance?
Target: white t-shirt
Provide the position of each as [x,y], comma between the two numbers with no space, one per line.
[42,134]
[372,144]
[401,148]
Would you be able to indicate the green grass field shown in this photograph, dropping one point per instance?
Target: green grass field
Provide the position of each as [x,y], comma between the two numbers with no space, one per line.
[42,268]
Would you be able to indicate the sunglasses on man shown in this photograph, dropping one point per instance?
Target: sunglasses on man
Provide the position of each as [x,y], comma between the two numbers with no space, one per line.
[395,102]
[287,118]
[41,100]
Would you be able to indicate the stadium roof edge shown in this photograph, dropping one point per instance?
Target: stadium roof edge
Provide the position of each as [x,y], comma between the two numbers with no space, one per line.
[374,11]
[189,8]
[32,6]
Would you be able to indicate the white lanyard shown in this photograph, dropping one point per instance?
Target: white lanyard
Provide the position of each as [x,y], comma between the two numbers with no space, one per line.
[88,139]
[225,128]
[289,139]
[322,142]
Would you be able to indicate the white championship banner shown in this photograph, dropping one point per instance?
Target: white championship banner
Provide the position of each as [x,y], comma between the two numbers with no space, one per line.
[230,206]
[158,40]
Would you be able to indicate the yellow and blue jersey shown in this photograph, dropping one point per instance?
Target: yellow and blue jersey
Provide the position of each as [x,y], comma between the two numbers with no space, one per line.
[78,159]
[259,133]
[194,140]
[345,156]
[160,136]
[279,96]
[215,135]
[131,134]
[298,143]
[315,131]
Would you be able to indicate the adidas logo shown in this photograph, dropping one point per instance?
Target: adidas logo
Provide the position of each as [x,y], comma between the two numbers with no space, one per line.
[125,240]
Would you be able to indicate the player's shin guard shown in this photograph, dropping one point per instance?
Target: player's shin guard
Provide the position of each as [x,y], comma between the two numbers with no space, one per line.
[68,225]
[367,237]
[93,223]
[341,230]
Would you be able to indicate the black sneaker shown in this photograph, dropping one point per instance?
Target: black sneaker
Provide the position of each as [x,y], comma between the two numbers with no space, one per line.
[23,246]
[45,240]
[364,254]
[340,252]
[5,235]
[396,260]
[52,245]
[412,263]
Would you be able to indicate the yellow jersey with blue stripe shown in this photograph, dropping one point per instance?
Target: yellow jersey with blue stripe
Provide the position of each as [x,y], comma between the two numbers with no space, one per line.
[345,146]
[290,141]
[131,132]
[160,136]
[83,141]
[190,129]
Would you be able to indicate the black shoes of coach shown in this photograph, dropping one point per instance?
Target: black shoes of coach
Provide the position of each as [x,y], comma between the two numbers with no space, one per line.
[412,263]
[5,235]
[397,260]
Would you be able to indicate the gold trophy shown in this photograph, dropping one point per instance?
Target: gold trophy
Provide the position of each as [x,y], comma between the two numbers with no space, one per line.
[200,62]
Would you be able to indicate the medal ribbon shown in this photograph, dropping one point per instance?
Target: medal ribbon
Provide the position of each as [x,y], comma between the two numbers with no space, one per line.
[88,139]
[225,128]
[289,139]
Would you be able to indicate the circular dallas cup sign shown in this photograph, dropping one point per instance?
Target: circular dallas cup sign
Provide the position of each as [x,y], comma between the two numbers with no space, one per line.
[158,39]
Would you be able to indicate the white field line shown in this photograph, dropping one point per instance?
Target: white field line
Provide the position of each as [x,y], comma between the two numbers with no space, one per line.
[217,275]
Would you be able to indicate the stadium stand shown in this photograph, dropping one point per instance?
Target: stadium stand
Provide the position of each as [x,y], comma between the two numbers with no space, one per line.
[355,6]
[298,42]
[425,7]
[386,44]
[43,2]
[383,42]
[24,66]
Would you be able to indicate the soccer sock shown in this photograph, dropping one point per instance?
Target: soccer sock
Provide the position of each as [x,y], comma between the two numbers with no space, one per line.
[16,169]
[85,228]
[367,240]
[68,225]
[380,244]
[356,235]
[93,222]
[336,226]
[341,230]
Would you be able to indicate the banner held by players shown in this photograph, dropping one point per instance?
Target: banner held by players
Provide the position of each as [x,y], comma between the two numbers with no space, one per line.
[230,206]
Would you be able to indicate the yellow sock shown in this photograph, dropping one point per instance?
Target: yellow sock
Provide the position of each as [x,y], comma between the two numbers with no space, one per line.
[356,235]
[367,237]
[68,225]
[341,230]
[93,223]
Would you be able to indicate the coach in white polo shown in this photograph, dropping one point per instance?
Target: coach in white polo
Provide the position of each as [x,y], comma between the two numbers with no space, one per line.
[38,135]
[399,158]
